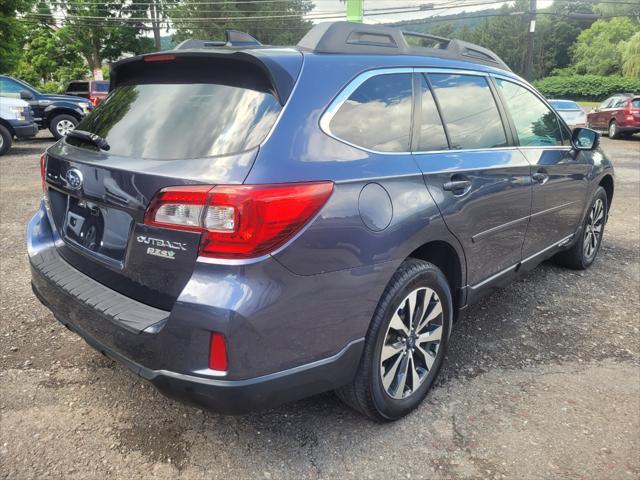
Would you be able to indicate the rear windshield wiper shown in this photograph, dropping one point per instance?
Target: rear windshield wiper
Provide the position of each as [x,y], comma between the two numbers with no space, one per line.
[97,140]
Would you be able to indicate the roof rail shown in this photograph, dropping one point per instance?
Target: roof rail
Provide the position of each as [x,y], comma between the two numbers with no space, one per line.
[359,38]
[234,38]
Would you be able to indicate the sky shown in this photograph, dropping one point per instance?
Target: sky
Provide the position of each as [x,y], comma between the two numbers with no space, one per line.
[327,7]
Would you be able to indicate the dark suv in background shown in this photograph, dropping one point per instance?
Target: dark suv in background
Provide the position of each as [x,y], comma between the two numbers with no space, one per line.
[94,90]
[244,226]
[59,113]
[618,116]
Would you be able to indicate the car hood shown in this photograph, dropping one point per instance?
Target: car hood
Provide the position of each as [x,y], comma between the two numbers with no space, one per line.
[64,98]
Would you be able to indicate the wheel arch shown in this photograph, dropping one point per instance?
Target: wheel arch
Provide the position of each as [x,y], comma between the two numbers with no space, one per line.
[8,126]
[606,182]
[51,114]
[445,256]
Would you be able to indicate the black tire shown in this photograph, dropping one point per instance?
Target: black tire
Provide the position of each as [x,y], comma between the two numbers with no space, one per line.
[613,130]
[367,393]
[576,257]
[53,124]
[5,140]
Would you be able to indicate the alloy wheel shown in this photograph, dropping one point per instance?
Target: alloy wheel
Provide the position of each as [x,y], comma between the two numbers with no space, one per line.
[411,343]
[63,127]
[612,130]
[593,229]
[1,142]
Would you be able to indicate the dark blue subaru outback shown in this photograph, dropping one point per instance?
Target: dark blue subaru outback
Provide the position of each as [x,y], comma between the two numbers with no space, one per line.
[244,225]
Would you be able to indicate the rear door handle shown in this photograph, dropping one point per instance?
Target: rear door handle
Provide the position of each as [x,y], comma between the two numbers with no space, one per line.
[458,185]
[540,177]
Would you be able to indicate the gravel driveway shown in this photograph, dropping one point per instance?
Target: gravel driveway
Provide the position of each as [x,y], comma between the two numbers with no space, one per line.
[542,381]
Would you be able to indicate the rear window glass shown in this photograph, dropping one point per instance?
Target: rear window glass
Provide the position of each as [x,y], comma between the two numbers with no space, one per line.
[564,105]
[180,121]
[469,111]
[102,87]
[377,115]
[78,87]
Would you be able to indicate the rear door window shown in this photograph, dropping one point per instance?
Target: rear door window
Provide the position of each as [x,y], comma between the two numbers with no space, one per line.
[168,121]
[431,134]
[536,124]
[377,115]
[469,111]
[78,87]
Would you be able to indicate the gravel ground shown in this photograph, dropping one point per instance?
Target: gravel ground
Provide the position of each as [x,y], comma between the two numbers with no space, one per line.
[542,381]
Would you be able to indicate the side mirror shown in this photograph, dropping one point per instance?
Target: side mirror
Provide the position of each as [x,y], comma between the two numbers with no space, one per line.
[585,139]
[26,95]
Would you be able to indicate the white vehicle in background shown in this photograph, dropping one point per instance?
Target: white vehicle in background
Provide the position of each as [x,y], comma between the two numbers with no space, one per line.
[571,112]
[15,121]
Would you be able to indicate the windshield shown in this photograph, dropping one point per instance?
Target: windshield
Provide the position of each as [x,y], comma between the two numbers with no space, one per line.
[181,121]
[564,105]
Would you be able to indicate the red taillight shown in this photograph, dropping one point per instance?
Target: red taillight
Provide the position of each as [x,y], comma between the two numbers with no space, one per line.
[218,352]
[159,57]
[43,171]
[93,100]
[239,221]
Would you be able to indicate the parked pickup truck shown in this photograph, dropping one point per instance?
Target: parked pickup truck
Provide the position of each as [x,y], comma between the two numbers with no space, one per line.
[15,121]
[59,113]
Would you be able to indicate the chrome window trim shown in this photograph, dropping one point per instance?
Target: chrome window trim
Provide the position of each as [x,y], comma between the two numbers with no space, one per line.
[345,93]
[343,96]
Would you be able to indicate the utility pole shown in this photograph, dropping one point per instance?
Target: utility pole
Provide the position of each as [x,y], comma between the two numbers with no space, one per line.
[528,68]
[354,11]
[155,24]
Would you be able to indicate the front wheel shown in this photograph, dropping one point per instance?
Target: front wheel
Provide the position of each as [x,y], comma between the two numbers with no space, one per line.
[582,254]
[5,140]
[61,125]
[405,345]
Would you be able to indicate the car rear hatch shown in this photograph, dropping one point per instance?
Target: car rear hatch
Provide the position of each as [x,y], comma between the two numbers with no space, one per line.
[184,118]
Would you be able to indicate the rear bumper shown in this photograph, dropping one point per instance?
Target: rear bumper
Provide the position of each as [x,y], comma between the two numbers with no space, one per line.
[170,349]
[236,396]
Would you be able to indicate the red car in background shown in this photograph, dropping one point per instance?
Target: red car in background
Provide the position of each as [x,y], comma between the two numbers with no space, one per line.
[94,90]
[618,116]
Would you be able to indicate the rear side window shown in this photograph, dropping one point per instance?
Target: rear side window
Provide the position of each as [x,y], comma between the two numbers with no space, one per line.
[469,111]
[377,115]
[171,121]
[536,124]
[635,103]
[431,135]
[78,87]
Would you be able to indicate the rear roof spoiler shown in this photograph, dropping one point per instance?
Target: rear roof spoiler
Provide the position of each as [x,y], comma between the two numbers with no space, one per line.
[280,67]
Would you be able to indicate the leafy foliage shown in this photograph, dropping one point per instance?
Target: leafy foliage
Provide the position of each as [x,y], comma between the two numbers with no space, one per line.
[286,29]
[599,49]
[631,57]
[586,87]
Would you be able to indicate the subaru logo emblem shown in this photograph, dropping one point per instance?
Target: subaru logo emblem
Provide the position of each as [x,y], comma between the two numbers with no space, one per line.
[74,179]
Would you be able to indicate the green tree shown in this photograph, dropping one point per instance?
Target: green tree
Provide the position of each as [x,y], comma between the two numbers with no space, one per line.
[628,8]
[104,31]
[275,23]
[599,49]
[12,32]
[631,57]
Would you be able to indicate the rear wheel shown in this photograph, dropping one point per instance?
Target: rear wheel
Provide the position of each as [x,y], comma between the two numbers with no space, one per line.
[614,132]
[5,140]
[405,345]
[60,125]
[582,254]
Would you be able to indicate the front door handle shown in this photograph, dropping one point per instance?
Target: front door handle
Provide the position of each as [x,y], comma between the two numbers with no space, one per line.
[459,185]
[540,177]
